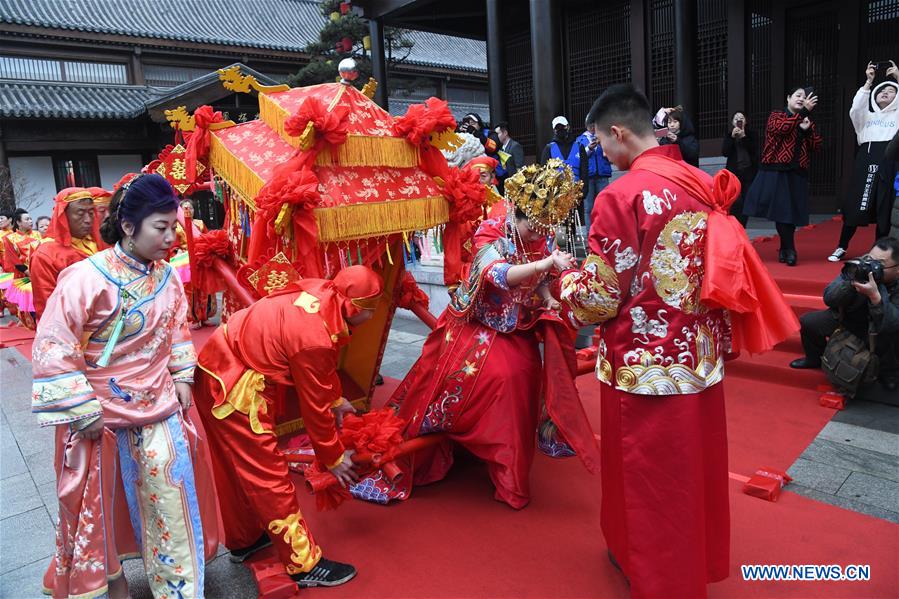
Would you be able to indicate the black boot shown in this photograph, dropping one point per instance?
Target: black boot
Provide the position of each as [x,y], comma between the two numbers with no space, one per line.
[790,257]
[805,363]
[781,256]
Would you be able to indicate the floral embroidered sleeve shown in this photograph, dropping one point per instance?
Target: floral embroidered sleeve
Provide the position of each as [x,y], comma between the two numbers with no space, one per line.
[61,393]
[183,358]
[496,275]
[594,293]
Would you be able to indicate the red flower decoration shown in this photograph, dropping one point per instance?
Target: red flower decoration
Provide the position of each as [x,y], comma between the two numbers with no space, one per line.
[379,431]
[207,248]
[421,120]
[299,189]
[465,193]
[330,126]
[211,245]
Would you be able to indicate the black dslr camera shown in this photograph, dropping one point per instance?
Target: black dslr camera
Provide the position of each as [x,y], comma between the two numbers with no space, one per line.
[858,269]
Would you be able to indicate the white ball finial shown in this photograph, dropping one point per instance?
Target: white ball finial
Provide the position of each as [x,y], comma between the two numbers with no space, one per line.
[347,70]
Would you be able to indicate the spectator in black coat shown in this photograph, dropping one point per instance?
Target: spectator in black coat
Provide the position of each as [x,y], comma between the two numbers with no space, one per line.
[741,148]
[682,133]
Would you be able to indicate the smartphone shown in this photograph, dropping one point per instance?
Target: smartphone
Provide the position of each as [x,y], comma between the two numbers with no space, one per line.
[741,124]
[663,132]
[881,68]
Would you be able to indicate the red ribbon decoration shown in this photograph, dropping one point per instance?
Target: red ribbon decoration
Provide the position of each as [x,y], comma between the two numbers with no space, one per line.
[466,196]
[198,141]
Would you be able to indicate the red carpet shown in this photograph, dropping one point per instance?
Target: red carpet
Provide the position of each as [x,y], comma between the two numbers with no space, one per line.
[453,540]
[18,337]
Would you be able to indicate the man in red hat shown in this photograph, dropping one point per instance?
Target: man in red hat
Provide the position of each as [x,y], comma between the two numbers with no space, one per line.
[292,337]
[71,237]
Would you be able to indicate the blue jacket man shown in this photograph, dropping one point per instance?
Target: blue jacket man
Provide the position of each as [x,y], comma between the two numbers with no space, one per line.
[589,164]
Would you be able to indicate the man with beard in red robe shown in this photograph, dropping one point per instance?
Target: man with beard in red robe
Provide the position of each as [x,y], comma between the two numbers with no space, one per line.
[71,237]
[677,286]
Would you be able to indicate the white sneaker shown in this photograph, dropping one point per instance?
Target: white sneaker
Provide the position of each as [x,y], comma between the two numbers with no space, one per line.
[837,255]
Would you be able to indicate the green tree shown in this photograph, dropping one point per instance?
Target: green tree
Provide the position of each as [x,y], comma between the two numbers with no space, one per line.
[344,36]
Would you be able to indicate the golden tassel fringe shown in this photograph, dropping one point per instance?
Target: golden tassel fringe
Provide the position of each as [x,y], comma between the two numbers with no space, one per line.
[357,150]
[364,150]
[359,221]
[235,172]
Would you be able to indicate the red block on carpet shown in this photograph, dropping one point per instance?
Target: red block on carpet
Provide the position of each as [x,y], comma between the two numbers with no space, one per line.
[766,483]
[834,400]
[271,578]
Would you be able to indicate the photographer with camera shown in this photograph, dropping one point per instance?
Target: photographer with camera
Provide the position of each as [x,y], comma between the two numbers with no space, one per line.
[864,302]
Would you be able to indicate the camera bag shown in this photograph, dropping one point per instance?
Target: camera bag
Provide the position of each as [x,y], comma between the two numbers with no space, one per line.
[848,361]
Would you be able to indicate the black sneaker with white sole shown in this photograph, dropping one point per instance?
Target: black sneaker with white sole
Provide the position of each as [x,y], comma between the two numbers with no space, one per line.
[239,555]
[325,574]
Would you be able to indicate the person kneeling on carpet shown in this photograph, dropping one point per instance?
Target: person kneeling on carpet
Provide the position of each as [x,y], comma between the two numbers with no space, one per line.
[291,337]
[863,300]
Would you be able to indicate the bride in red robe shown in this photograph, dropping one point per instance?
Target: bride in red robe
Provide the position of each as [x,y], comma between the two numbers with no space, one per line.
[480,377]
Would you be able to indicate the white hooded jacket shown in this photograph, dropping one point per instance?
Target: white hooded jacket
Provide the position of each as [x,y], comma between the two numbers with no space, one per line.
[879,125]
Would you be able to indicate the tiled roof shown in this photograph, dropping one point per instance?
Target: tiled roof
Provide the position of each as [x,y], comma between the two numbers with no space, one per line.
[398,106]
[271,24]
[29,99]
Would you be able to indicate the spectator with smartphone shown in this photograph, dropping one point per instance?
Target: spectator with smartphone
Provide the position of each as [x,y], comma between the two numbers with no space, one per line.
[680,132]
[741,148]
[875,116]
[780,189]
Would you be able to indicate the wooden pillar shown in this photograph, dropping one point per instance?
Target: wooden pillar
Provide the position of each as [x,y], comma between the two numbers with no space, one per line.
[638,25]
[736,56]
[137,68]
[778,55]
[685,30]
[546,58]
[851,76]
[378,60]
[496,63]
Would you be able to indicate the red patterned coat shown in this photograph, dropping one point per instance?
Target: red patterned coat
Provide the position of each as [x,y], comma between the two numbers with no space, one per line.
[642,279]
[784,138]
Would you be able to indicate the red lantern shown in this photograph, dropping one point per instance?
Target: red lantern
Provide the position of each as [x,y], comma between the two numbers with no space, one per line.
[345,7]
[347,44]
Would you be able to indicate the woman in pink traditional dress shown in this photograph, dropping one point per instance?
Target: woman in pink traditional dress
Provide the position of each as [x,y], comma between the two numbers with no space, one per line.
[480,375]
[113,368]
[19,244]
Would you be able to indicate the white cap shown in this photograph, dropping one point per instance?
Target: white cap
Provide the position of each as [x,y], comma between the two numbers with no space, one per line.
[560,120]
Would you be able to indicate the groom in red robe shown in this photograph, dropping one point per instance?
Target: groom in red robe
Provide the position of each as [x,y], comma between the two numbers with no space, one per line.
[665,512]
